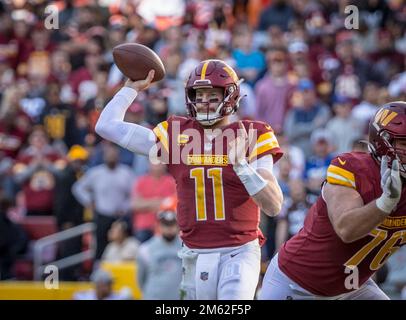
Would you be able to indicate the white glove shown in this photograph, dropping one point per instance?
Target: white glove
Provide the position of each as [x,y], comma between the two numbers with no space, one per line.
[391,185]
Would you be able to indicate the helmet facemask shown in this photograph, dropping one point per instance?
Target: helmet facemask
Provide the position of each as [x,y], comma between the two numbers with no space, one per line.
[387,134]
[225,106]
[395,152]
[392,152]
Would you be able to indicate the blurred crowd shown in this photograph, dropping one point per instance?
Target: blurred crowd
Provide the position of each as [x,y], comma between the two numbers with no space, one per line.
[315,81]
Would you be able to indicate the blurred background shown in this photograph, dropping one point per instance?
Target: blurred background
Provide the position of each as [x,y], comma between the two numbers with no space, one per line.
[104,216]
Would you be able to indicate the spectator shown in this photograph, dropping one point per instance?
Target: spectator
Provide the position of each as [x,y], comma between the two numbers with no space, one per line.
[397,87]
[159,267]
[366,37]
[94,104]
[33,103]
[105,189]
[352,74]
[68,211]
[34,171]
[387,61]
[274,90]
[14,129]
[307,115]
[60,69]
[148,195]
[103,289]
[343,126]
[157,110]
[15,125]
[35,60]
[7,182]
[96,156]
[84,75]
[293,214]
[366,109]
[296,158]
[13,240]
[279,13]
[58,119]
[162,14]
[314,183]
[321,156]
[249,62]
[323,59]
[122,246]
[248,105]
[298,56]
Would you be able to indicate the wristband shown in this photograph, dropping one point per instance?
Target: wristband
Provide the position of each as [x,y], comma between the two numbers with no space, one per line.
[250,178]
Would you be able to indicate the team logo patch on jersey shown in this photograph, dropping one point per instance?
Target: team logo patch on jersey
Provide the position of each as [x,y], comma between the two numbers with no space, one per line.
[204,276]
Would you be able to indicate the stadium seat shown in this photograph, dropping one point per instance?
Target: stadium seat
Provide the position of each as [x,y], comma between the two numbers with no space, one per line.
[36,228]
[124,275]
[35,290]
[39,227]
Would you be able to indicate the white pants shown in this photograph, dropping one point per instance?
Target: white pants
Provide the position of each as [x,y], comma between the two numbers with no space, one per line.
[278,286]
[220,274]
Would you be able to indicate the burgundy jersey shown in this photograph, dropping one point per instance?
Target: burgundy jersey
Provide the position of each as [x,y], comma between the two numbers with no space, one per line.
[214,209]
[317,259]
[40,187]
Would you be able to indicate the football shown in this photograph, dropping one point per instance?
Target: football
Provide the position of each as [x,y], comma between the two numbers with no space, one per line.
[135,60]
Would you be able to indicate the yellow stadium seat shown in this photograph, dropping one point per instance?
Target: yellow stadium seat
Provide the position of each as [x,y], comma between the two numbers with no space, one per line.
[35,290]
[124,275]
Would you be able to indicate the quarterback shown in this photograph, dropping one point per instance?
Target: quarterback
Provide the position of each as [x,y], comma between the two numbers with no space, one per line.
[357,223]
[223,173]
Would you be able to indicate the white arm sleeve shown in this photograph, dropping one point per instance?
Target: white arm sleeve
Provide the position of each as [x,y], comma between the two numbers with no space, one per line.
[266,163]
[111,124]
[249,176]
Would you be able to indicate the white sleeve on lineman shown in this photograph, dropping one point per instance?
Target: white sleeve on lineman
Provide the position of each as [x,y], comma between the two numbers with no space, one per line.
[111,125]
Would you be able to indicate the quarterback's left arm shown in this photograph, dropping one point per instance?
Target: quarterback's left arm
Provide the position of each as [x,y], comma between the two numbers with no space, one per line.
[261,184]
[270,198]
[257,176]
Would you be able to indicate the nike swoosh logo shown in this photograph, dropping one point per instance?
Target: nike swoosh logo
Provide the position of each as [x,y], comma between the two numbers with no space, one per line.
[341,161]
[233,255]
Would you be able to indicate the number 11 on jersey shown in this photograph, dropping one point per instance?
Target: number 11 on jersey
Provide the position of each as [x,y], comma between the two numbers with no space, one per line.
[215,174]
